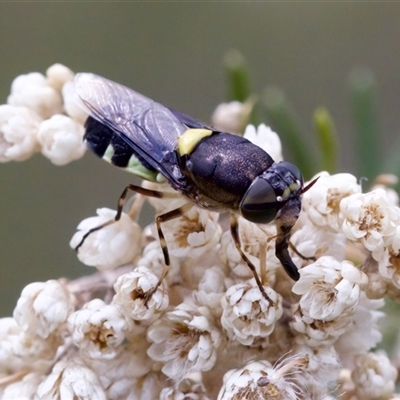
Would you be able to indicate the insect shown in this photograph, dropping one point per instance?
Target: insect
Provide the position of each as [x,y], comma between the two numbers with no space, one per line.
[214,170]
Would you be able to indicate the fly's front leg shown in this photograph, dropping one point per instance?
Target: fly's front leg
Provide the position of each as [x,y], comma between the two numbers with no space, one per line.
[293,247]
[120,206]
[284,224]
[236,239]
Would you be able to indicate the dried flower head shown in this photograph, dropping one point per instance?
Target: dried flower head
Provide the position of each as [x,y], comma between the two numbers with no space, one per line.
[61,139]
[184,340]
[131,290]
[34,92]
[99,329]
[44,307]
[321,204]
[232,117]
[116,244]
[18,133]
[247,316]
[374,376]
[123,333]
[259,380]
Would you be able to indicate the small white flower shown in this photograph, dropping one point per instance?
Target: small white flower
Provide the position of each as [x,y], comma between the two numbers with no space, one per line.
[130,290]
[24,389]
[211,289]
[388,258]
[265,138]
[44,307]
[118,374]
[329,288]
[374,376]
[316,333]
[116,244]
[193,234]
[144,388]
[346,388]
[187,389]
[384,181]
[377,286]
[321,204]
[247,316]
[389,268]
[21,353]
[369,219]
[18,130]
[71,103]
[184,340]
[362,333]
[98,329]
[323,369]
[232,117]
[58,75]
[392,195]
[10,331]
[61,139]
[71,379]
[33,349]
[34,92]
[312,241]
[259,380]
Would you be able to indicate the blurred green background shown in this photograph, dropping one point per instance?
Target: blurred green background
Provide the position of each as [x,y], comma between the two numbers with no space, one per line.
[173,52]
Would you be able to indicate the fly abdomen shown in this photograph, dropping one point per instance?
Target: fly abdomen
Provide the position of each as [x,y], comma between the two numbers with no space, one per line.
[109,146]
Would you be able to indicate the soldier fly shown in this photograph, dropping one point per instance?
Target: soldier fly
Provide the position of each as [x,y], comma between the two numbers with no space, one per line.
[214,170]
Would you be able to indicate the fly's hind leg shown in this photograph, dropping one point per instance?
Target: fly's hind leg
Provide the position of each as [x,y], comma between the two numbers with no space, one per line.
[236,239]
[159,220]
[120,206]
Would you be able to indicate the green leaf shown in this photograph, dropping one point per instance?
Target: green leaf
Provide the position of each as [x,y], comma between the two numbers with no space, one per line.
[238,76]
[327,139]
[283,120]
[368,153]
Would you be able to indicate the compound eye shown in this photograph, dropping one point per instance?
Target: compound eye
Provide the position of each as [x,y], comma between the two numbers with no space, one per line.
[292,169]
[259,204]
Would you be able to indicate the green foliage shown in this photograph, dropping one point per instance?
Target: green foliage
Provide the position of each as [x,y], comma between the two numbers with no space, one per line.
[283,120]
[368,150]
[237,76]
[281,116]
[327,139]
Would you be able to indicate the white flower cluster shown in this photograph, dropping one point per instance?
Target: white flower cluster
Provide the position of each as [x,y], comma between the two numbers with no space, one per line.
[38,117]
[205,331]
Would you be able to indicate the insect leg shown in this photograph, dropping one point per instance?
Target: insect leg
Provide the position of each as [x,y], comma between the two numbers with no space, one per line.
[284,224]
[293,247]
[121,202]
[236,239]
[168,216]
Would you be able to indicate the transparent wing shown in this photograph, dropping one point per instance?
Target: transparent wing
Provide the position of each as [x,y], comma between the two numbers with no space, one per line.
[150,128]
